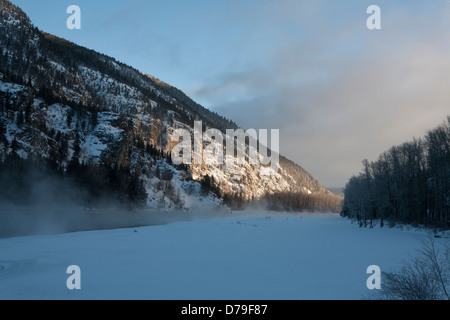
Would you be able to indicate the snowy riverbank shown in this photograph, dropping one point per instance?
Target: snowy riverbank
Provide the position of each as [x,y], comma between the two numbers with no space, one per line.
[282,257]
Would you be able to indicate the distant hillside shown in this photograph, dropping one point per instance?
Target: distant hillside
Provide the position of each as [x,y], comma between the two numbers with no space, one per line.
[77,109]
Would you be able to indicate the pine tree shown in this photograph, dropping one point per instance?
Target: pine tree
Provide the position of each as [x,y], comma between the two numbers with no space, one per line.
[136,191]
[15,145]
[19,119]
[28,108]
[74,164]
[94,119]
[69,118]
[76,146]
[3,140]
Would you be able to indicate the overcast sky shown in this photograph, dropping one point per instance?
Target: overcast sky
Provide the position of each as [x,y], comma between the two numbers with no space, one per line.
[337,91]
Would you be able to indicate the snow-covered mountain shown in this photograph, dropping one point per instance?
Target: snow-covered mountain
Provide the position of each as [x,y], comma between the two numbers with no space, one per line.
[69,104]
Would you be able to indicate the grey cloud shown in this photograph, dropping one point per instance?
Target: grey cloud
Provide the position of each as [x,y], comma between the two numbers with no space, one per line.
[337,105]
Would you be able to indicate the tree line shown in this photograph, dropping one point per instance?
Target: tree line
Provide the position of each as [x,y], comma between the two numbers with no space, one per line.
[300,201]
[285,201]
[409,183]
[35,180]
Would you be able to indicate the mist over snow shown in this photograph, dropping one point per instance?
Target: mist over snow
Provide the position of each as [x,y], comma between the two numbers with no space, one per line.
[79,129]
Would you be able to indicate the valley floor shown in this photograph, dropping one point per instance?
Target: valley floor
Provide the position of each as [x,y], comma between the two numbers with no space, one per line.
[281,257]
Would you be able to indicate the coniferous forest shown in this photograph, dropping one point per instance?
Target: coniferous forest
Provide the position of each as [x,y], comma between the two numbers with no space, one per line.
[409,183]
[105,127]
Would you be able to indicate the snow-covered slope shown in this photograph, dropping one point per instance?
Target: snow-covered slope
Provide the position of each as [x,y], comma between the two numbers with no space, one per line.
[58,97]
[284,257]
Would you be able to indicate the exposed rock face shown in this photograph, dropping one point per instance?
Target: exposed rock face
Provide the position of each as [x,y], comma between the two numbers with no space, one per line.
[59,100]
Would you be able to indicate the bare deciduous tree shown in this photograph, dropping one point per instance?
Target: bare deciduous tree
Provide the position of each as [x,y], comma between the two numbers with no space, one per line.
[408,183]
[424,277]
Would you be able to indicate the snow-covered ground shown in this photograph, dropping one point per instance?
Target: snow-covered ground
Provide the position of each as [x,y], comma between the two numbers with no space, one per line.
[282,257]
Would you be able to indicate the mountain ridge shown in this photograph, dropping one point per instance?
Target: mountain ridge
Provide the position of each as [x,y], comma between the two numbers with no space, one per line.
[59,95]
